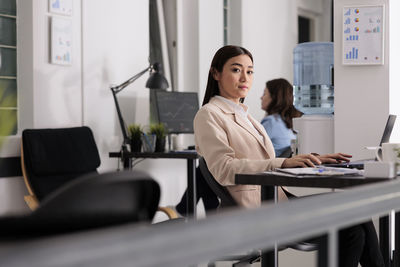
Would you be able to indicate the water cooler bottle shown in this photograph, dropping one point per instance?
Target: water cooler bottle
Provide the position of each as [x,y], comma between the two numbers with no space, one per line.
[314,96]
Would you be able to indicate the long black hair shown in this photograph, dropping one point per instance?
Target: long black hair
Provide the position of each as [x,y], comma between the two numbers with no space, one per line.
[220,58]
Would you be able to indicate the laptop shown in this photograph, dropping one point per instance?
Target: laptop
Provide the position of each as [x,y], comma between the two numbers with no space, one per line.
[359,164]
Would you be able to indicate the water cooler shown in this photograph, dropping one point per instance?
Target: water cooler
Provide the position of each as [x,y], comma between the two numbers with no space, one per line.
[314,96]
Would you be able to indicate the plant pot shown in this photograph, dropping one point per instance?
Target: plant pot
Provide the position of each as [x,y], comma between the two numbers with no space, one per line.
[136,145]
[160,144]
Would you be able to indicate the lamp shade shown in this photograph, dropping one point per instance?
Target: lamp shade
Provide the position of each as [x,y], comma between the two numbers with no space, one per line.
[156,79]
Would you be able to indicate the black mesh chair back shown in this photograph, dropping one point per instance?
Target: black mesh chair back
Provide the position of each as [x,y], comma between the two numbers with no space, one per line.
[53,157]
[226,199]
[287,153]
[93,201]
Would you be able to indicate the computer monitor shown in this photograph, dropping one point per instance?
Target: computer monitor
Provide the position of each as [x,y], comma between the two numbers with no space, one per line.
[176,110]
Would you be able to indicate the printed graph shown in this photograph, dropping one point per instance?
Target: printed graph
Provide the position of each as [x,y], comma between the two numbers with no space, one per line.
[352,54]
[373,30]
[362,34]
[352,38]
[55,4]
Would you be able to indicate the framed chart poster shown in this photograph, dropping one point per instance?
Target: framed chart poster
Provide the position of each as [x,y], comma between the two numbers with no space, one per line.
[61,41]
[62,7]
[363,32]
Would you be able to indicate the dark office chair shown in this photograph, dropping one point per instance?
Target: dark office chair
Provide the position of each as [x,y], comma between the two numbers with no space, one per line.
[53,157]
[92,201]
[226,200]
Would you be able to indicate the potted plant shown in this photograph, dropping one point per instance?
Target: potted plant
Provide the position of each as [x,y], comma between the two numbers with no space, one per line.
[135,134]
[159,130]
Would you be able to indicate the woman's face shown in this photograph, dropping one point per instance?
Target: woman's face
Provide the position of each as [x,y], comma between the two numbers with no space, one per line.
[236,78]
[265,99]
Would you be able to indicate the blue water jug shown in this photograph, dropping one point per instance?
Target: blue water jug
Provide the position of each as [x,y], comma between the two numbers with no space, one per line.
[313,77]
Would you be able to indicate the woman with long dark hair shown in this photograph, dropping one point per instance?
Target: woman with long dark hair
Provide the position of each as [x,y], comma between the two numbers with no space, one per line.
[277,102]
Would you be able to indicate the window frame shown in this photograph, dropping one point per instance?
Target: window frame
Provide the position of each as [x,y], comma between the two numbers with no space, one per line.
[14,130]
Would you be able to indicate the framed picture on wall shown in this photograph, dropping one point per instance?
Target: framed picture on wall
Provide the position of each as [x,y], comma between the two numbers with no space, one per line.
[63,7]
[363,35]
[61,41]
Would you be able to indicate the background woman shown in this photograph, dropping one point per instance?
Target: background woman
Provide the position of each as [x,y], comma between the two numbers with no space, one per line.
[277,101]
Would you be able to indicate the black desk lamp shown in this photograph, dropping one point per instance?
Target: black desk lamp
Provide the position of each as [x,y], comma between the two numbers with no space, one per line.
[155,81]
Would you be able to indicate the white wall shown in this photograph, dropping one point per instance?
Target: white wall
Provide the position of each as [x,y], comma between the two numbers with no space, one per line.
[115,47]
[361,94]
[199,36]
[57,96]
[394,69]
[269,32]
[210,38]
[189,45]
[50,95]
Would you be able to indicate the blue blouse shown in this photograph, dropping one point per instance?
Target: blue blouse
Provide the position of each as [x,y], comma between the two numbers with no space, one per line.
[277,131]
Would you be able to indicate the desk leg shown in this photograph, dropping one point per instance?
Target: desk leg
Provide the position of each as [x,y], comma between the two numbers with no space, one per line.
[396,254]
[268,258]
[127,162]
[384,239]
[322,257]
[191,188]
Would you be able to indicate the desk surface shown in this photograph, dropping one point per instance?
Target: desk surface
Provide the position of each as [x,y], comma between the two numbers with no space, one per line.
[309,181]
[184,154]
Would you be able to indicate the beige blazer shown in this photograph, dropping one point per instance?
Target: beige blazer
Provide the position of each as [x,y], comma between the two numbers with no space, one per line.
[230,145]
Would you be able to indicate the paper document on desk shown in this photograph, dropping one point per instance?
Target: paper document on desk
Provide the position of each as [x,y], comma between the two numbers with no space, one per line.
[320,171]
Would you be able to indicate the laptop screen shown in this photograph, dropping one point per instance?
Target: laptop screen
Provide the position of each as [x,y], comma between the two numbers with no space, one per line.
[359,164]
[388,129]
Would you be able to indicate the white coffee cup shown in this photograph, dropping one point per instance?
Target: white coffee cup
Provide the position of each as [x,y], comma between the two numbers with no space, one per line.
[389,152]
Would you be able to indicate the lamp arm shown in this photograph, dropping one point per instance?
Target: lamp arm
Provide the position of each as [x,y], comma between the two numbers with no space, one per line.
[121,122]
[115,90]
[118,88]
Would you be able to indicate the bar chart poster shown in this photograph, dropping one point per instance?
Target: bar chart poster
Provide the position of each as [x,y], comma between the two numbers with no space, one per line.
[61,41]
[363,35]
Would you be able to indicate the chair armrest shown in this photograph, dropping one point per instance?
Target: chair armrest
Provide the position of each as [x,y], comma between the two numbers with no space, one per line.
[169,212]
[31,201]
